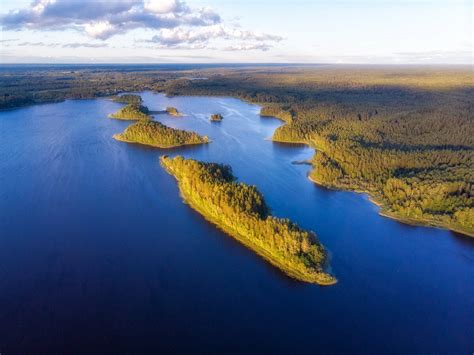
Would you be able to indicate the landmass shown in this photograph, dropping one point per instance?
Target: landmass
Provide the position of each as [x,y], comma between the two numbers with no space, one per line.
[276,111]
[402,134]
[132,112]
[173,111]
[240,210]
[156,134]
[128,99]
[405,136]
[216,117]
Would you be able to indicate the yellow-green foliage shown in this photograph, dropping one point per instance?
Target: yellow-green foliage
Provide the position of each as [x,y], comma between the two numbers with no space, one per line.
[278,112]
[158,135]
[132,112]
[173,111]
[241,211]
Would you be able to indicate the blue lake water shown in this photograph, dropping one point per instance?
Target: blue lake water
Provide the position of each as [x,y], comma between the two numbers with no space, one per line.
[98,253]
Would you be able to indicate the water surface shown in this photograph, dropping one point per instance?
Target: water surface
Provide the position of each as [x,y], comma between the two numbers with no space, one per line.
[98,253]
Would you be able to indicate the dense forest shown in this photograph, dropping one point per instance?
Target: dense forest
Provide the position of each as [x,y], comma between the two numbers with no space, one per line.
[403,134]
[158,135]
[129,99]
[241,211]
[132,111]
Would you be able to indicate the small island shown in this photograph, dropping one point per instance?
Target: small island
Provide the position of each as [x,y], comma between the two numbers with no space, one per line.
[173,111]
[158,135]
[128,99]
[240,210]
[132,112]
[217,117]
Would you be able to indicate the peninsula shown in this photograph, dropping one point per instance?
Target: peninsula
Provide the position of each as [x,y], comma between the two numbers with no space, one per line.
[240,210]
[158,135]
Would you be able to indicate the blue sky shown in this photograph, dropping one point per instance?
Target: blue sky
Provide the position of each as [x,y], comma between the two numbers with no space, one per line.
[303,31]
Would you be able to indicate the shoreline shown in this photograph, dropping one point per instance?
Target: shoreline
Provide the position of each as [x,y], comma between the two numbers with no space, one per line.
[422,223]
[384,212]
[322,278]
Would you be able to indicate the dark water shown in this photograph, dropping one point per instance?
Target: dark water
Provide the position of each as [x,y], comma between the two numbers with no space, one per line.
[99,254]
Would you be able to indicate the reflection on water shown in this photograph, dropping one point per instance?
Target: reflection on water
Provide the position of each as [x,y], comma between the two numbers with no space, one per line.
[98,250]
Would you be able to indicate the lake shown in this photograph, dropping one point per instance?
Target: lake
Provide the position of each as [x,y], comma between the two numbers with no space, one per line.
[98,253]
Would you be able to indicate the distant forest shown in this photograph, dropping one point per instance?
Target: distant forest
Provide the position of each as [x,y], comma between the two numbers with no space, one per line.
[405,134]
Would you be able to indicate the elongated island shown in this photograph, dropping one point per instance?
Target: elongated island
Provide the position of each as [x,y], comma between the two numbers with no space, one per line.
[240,210]
[158,135]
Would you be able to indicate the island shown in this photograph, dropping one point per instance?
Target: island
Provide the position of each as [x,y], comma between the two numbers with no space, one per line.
[132,112]
[217,117]
[173,111]
[128,99]
[240,211]
[158,135]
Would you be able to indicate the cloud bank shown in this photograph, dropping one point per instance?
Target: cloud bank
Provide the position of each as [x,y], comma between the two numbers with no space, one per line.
[176,24]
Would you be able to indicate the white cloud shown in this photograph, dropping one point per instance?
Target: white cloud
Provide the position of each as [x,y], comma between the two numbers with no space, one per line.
[175,23]
[201,36]
[101,29]
[103,19]
[163,6]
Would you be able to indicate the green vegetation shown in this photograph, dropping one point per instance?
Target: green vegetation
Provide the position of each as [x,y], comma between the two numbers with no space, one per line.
[241,211]
[158,135]
[173,111]
[277,111]
[405,135]
[216,117]
[129,99]
[132,112]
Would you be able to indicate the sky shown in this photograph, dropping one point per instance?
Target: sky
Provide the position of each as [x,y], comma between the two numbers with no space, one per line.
[237,31]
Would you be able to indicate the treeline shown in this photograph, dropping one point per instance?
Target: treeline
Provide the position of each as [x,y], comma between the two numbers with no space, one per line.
[129,99]
[241,211]
[158,135]
[277,111]
[25,86]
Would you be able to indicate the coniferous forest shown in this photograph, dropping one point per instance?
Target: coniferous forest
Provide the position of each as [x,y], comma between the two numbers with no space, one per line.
[402,134]
[241,211]
[158,135]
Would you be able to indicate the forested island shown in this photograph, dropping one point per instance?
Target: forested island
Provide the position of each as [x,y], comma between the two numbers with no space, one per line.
[240,210]
[216,117]
[173,111]
[132,112]
[158,135]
